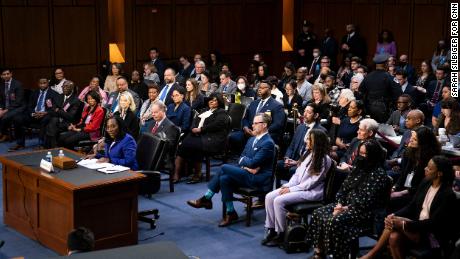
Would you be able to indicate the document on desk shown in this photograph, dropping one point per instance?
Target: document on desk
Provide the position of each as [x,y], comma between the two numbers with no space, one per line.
[93,164]
[113,169]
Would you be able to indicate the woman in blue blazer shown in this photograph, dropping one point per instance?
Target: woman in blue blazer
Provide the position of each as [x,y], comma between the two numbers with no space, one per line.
[120,147]
[179,112]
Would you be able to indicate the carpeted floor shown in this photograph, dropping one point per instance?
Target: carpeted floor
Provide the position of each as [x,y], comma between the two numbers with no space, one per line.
[195,231]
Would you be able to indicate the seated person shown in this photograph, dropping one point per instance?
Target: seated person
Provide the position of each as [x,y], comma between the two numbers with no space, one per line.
[89,127]
[80,240]
[67,111]
[120,147]
[194,98]
[292,98]
[41,102]
[320,98]
[265,104]
[427,220]
[398,118]
[243,87]
[287,167]
[145,114]
[333,227]
[307,184]
[339,111]
[114,97]
[178,111]
[208,135]
[445,93]
[367,129]
[94,86]
[348,127]
[422,146]
[12,102]
[450,116]
[126,111]
[254,170]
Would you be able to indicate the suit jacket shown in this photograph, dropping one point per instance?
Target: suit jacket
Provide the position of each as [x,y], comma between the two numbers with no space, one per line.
[160,65]
[443,213]
[357,46]
[198,104]
[329,47]
[214,131]
[168,99]
[123,152]
[411,75]
[181,116]
[276,129]
[415,94]
[260,154]
[432,88]
[231,88]
[394,120]
[113,97]
[69,111]
[185,73]
[294,150]
[352,152]
[131,121]
[93,126]
[51,101]
[16,94]
[402,145]
[168,129]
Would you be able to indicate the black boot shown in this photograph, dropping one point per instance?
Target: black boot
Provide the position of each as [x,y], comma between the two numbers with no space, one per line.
[276,241]
[271,233]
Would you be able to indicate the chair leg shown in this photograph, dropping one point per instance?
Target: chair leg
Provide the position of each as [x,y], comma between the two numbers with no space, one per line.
[171,184]
[248,211]
[208,168]
[224,210]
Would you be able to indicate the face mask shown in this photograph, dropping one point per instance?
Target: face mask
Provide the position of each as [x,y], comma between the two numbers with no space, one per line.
[315,54]
[361,162]
[241,86]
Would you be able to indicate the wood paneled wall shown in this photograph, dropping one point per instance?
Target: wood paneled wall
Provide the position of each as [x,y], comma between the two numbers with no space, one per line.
[417,25]
[39,35]
[237,28]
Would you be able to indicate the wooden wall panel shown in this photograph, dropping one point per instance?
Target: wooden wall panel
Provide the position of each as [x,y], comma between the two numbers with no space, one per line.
[153,28]
[75,35]
[396,17]
[338,15]
[226,28]
[191,31]
[26,36]
[83,73]
[29,76]
[259,18]
[366,15]
[427,32]
[312,12]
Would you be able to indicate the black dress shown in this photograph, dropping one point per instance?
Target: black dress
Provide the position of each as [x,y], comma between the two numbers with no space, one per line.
[131,123]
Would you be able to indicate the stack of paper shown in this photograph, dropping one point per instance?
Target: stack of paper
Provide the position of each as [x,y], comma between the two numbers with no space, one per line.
[107,168]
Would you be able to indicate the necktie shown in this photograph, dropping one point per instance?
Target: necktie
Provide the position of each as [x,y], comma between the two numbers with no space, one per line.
[115,104]
[41,102]
[261,105]
[255,142]
[348,39]
[313,64]
[7,95]
[163,93]
[436,93]
[225,89]
[154,129]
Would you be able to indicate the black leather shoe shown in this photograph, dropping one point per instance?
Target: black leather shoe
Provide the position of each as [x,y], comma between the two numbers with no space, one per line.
[271,233]
[201,203]
[230,218]
[276,241]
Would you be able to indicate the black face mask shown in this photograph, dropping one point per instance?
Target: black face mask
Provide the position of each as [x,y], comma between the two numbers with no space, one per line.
[361,162]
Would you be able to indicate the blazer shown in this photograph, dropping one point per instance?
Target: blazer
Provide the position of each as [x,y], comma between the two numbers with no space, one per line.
[168,129]
[260,154]
[329,47]
[181,116]
[51,100]
[160,65]
[432,88]
[351,152]
[69,111]
[197,104]
[415,94]
[231,88]
[394,120]
[16,94]
[442,215]
[214,131]
[123,152]
[113,98]
[295,99]
[276,128]
[168,99]
[185,73]
[131,122]
[356,44]
[294,151]
[93,127]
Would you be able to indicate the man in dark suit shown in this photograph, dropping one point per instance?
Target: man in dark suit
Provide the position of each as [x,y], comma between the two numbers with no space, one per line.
[155,60]
[266,104]
[164,128]
[408,88]
[408,68]
[12,102]
[286,168]
[314,67]
[329,47]
[199,69]
[68,110]
[41,102]
[306,40]
[170,85]
[114,97]
[227,85]
[353,44]
[254,170]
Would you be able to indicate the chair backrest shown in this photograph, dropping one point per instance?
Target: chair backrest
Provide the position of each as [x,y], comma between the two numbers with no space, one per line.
[275,161]
[149,151]
[170,149]
[334,180]
[236,113]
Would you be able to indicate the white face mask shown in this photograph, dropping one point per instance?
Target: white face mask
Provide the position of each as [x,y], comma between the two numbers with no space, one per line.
[315,54]
[241,86]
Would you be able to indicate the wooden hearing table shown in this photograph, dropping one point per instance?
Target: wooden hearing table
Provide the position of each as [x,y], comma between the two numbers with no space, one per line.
[46,207]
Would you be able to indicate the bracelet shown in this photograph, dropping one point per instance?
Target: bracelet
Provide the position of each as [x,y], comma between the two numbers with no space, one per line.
[404,225]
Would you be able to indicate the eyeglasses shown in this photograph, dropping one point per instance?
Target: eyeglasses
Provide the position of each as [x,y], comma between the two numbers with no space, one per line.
[402,102]
[257,122]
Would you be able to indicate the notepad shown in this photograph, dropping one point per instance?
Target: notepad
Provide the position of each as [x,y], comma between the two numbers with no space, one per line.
[113,169]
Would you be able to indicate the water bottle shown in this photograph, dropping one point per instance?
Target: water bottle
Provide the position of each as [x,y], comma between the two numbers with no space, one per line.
[61,153]
[443,139]
[49,157]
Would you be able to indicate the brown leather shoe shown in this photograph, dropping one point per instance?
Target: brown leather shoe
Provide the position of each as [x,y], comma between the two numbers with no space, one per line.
[230,218]
[15,148]
[201,203]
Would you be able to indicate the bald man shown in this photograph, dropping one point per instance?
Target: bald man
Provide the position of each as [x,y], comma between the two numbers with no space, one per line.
[414,119]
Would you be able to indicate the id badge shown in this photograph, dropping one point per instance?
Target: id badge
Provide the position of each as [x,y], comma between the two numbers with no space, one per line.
[88,119]
[66,107]
[408,181]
